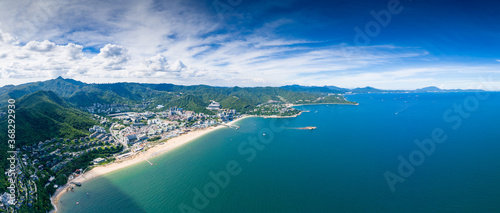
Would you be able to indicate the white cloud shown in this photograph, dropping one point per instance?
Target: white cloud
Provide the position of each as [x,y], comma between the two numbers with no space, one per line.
[157,63]
[74,51]
[113,56]
[6,38]
[177,66]
[43,46]
[134,41]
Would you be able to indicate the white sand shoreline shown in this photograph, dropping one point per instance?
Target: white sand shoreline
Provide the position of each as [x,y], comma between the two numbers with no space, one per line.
[151,152]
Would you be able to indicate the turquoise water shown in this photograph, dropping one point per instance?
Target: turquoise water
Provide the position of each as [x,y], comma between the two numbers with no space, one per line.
[339,167]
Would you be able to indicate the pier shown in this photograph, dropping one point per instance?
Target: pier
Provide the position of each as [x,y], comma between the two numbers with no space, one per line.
[232,126]
[76,183]
[306,128]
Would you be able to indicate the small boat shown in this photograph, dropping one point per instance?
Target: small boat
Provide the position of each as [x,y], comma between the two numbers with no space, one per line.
[88,194]
[77,203]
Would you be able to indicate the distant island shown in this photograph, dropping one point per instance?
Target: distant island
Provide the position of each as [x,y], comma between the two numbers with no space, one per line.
[361,90]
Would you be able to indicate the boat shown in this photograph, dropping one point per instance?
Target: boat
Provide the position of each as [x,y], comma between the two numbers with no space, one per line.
[77,203]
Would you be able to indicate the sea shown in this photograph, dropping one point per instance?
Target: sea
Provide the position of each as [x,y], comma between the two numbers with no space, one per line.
[407,152]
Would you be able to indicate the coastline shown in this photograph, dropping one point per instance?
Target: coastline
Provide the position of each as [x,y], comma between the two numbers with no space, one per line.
[354,104]
[275,116]
[301,111]
[170,144]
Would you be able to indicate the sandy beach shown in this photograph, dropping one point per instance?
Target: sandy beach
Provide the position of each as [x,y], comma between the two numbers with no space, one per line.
[170,144]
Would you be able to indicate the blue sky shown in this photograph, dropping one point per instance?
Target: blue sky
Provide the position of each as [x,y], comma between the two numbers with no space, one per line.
[450,44]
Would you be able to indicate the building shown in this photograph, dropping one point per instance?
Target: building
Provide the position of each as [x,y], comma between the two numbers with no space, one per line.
[101,136]
[226,114]
[213,106]
[124,155]
[131,138]
[93,135]
[142,137]
[98,160]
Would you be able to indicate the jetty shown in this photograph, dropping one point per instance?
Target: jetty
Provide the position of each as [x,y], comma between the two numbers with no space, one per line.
[149,162]
[76,183]
[308,127]
[232,126]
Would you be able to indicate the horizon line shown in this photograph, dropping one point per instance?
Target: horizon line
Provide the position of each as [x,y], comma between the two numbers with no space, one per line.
[348,88]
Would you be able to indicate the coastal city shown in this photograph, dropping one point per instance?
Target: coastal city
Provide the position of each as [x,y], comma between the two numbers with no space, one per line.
[54,165]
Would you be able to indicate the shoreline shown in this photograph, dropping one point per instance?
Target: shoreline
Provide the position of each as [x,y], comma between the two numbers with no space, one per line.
[354,104]
[302,111]
[275,116]
[158,149]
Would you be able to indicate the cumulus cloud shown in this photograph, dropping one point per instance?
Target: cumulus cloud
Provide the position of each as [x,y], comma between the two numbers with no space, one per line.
[46,59]
[44,46]
[161,64]
[74,51]
[6,38]
[157,63]
[177,66]
[113,56]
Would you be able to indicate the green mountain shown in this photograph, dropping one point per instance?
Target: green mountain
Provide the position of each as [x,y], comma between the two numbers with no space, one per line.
[41,116]
[195,98]
[75,92]
[314,89]
[44,115]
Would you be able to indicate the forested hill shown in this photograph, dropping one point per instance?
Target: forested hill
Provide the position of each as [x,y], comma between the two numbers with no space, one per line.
[43,115]
[194,98]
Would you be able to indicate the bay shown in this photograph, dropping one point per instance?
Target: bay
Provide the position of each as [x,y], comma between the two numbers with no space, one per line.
[339,167]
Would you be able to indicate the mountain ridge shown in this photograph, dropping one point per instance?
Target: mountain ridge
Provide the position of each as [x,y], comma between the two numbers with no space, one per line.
[43,115]
[80,94]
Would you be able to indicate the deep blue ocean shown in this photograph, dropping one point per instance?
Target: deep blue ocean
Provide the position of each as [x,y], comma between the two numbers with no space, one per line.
[429,152]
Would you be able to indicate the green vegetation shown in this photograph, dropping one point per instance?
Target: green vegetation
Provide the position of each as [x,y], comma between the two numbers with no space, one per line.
[330,99]
[43,115]
[193,98]
[154,138]
[275,110]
